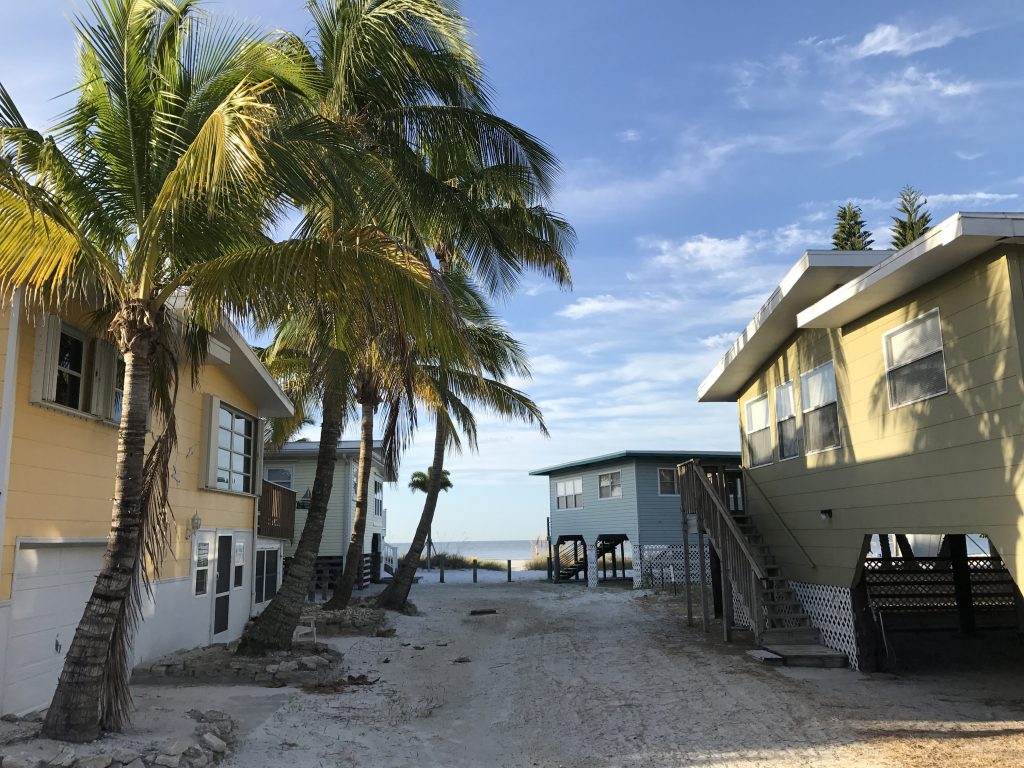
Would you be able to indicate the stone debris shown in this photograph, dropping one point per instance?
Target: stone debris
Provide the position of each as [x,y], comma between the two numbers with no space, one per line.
[214,736]
[304,665]
[355,620]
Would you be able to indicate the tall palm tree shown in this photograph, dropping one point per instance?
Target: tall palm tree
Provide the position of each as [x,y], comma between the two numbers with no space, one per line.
[451,393]
[152,200]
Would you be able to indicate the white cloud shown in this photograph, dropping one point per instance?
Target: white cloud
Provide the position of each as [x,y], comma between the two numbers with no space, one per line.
[897,41]
[719,341]
[607,304]
[969,156]
[629,136]
[701,251]
[976,198]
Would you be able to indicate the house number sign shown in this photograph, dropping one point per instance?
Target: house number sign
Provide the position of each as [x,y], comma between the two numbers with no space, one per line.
[203,555]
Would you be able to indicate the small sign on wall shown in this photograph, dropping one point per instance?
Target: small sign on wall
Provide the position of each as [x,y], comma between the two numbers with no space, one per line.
[203,554]
[239,553]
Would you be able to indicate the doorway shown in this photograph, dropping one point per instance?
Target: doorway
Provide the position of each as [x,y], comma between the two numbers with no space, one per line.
[222,584]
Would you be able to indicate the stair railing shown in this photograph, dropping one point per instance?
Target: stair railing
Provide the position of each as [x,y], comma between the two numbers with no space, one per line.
[740,566]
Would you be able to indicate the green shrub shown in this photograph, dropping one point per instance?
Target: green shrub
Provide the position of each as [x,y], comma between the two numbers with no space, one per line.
[459,562]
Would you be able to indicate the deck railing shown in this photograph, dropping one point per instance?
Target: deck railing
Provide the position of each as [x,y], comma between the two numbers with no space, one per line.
[389,552]
[740,566]
[276,518]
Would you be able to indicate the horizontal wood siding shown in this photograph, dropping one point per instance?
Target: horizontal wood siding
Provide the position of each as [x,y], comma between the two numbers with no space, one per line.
[660,518]
[598,516]
[952,463]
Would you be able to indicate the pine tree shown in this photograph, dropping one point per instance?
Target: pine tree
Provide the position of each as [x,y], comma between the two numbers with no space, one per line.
[913,220]
[851,233]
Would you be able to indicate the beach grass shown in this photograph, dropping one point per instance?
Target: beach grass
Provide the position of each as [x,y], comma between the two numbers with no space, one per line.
[540,563]
[458,562]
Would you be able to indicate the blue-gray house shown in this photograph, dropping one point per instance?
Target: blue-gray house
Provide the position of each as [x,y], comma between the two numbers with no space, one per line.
[598,504]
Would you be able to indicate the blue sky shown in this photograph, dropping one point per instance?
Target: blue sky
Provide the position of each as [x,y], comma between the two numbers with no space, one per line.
[705,147]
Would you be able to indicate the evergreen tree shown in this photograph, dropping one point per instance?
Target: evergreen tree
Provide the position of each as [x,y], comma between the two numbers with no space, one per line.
[851,233]
[913,220]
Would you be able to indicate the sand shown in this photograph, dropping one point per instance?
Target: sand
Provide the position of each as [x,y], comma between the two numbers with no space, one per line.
[563,676]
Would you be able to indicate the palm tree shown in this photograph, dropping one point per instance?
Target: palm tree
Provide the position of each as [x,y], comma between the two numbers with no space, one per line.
[451,392]
[152,200]
[420,481]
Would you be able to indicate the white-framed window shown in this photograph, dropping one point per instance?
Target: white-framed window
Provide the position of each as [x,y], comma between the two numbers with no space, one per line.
[915,364]
[609,485]
[758,432]
[668,481]
[378,498]
[236,449]
[820,408]
[76,372]
[201,583]
[239,570]
[785,421]
[283,476]
[265,579]
[569,493]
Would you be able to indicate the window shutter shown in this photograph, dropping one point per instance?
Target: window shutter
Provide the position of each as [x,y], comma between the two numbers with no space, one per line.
[101,399]
[44,360]
[208,456]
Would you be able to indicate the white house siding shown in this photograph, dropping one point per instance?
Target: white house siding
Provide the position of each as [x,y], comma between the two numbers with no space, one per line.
[598,516]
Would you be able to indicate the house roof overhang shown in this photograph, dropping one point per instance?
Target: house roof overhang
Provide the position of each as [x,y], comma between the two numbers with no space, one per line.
[310,449]
[815,275]
[669,457]
[248,372]
[955,241]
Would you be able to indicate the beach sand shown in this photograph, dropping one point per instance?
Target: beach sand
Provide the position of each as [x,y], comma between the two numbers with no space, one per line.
[563,676]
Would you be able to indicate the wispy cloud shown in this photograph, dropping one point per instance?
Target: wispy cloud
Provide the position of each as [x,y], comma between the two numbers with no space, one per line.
[607,304]
[968,156]
[628,136]
[900,41]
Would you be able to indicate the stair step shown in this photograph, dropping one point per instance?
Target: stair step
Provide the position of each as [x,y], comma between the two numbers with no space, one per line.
[766,657]
[790,635]
[808,655]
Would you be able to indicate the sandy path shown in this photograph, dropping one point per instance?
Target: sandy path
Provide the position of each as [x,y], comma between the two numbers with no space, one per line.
[566,677]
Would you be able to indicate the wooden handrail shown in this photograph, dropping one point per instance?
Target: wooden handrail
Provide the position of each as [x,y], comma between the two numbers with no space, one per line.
[746,474]
[726,518]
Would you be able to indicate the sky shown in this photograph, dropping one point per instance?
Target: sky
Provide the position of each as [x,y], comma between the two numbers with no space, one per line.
[704,147]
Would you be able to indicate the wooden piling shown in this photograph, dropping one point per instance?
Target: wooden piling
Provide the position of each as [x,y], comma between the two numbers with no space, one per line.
[440,566]
[509,571]
[474,571]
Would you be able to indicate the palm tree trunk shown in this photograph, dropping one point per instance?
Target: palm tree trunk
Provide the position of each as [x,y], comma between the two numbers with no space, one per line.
[273,629]
[354,557]
[80,703]
[397,593]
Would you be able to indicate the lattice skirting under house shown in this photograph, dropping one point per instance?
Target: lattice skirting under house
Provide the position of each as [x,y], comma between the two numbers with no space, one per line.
[831,611]
[660,565]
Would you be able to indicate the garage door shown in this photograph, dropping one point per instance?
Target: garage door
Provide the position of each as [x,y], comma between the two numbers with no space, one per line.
[52,583]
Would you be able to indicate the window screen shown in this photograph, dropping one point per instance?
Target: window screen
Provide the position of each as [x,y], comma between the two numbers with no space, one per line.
[609,485]
[821,411]
[915,368]
[759,433]
[785,420]
[667,481]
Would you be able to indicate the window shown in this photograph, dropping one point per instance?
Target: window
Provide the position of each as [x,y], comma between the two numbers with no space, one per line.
[235,450]
[239,563]
[609,485]
[667,482]
[759,432]
[202,559]
[117,401]
[280,476]
[265,578]
[69,389]
[821,411]
[915,367]
[378,498]
[785,421]
[569,494]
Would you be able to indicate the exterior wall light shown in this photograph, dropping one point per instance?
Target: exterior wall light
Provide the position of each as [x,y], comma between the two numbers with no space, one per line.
[193,526]
[826,515]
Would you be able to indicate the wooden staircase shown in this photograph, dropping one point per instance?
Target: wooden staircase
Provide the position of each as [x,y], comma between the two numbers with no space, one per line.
[779,623]
[573,562]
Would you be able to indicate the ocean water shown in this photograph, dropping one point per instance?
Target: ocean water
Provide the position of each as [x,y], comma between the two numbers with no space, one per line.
[522,549]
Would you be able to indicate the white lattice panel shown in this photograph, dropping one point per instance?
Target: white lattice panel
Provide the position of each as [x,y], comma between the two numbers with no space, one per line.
[655,565]
[831,611]
[740,613]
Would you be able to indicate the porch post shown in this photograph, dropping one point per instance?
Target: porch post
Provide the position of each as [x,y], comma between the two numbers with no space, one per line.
[684,512]
[961,581]
[556,564]
[705,618]
[717,582]
[614,572]
[590,561]
[726,586]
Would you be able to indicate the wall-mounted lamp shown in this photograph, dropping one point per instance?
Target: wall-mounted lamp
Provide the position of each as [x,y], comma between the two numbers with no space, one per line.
[193,526]
[826,515]
[303,503]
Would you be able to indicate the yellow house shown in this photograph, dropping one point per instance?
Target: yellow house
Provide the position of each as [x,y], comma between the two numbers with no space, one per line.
[59,409]
[880,394]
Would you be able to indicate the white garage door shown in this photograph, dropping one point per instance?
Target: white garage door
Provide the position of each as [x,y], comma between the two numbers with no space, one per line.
[52,583]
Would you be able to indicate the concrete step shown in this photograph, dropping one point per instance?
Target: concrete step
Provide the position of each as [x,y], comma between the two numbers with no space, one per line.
[766,657]
[790,635]
[808,655]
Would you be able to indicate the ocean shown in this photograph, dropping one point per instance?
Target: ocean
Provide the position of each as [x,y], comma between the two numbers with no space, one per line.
[521,549]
